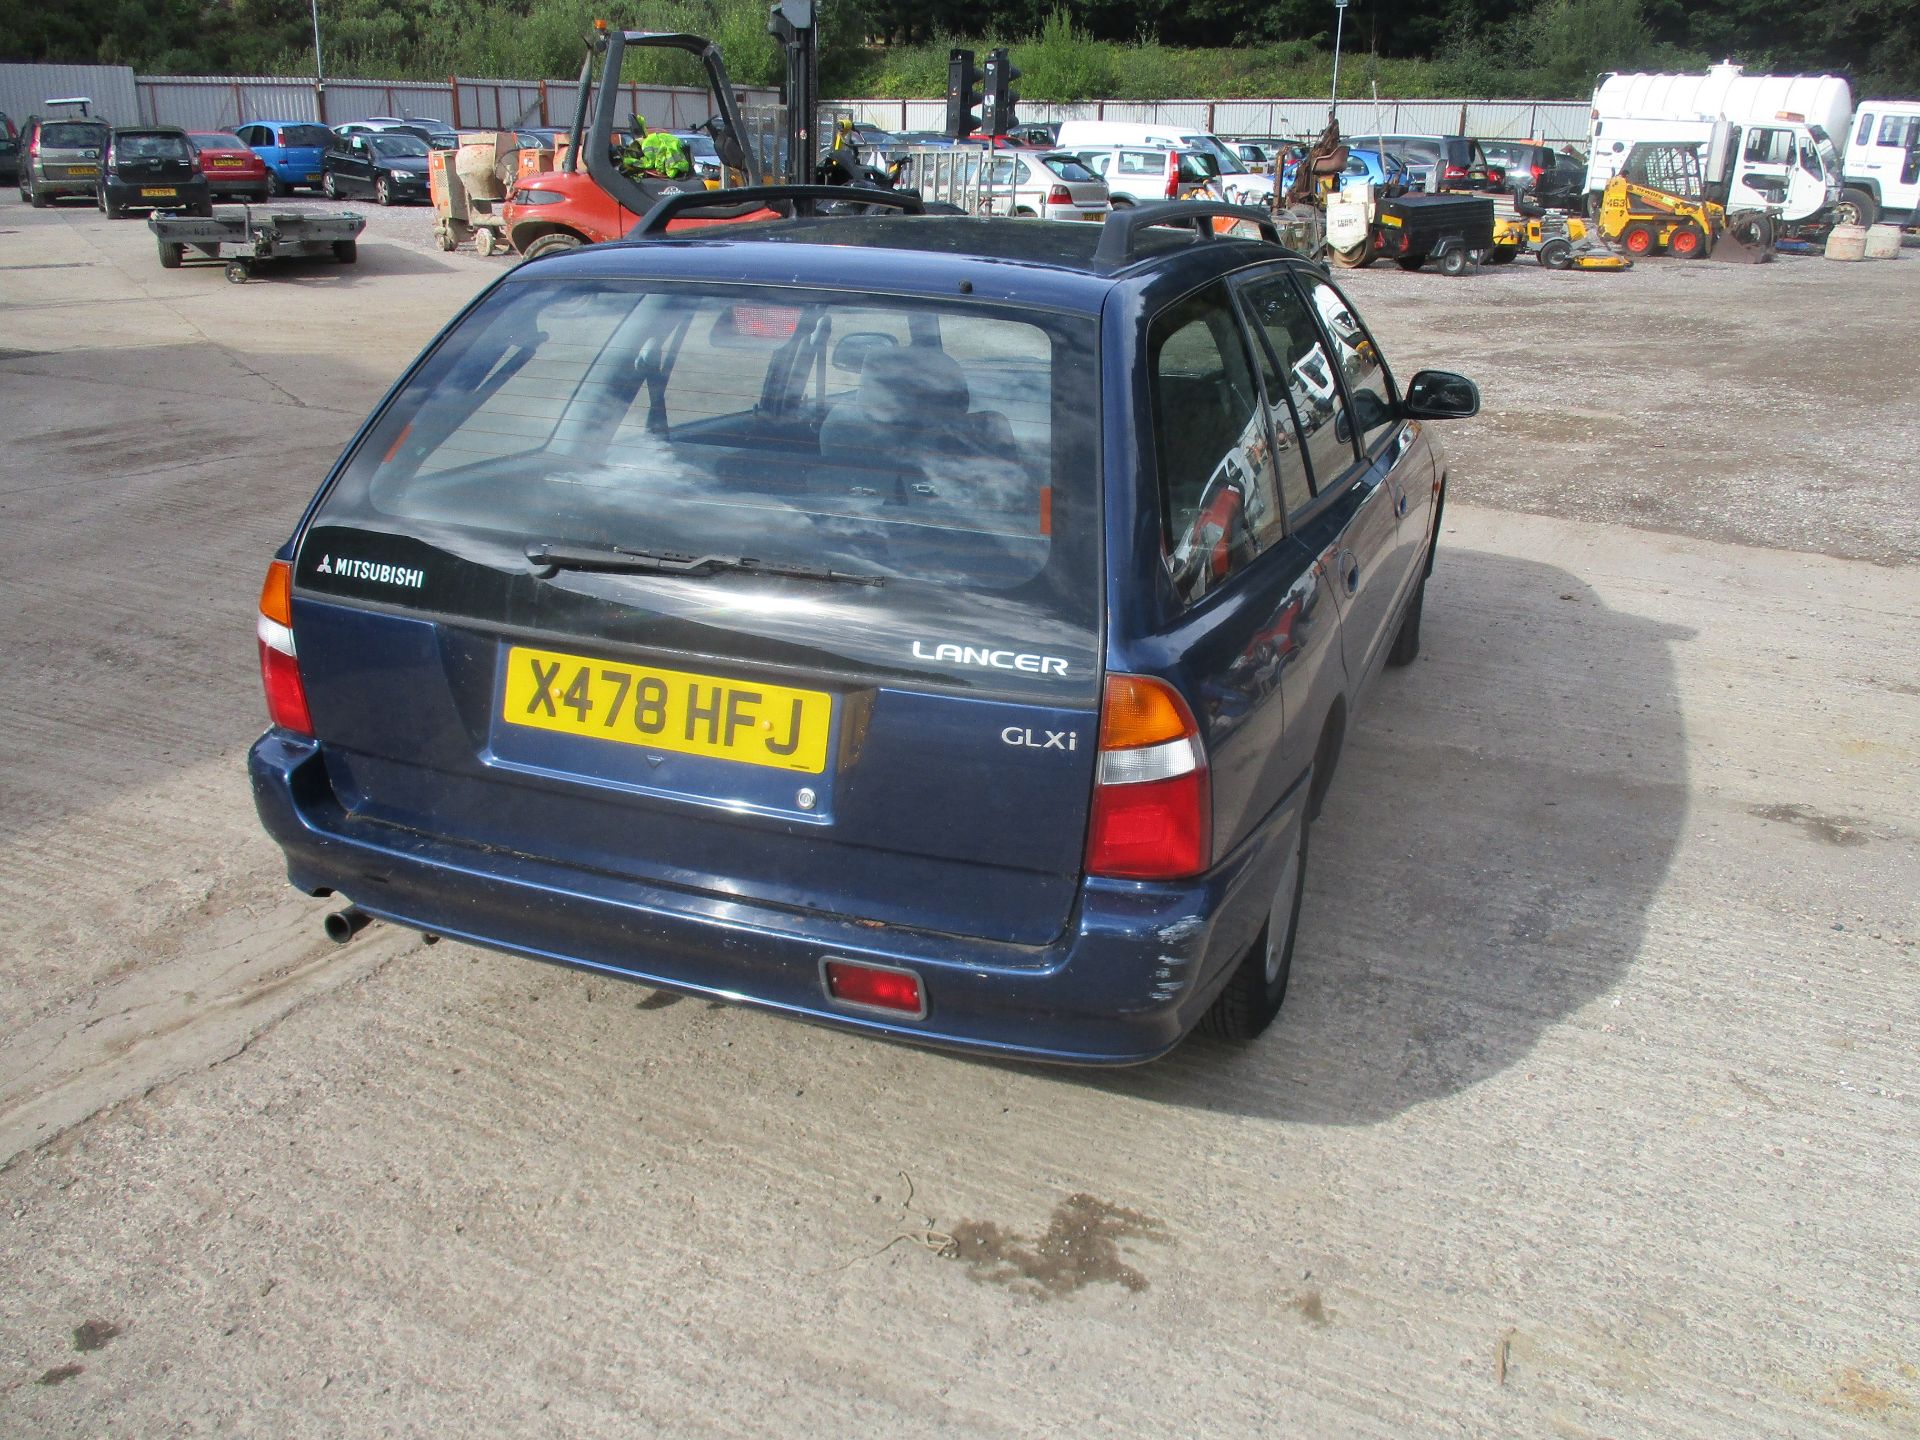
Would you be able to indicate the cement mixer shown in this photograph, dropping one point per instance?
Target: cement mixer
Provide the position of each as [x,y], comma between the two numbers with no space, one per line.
[468,185]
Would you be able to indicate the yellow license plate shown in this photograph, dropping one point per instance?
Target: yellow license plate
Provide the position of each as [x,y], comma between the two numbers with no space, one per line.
[228,164]
[80,170]
[158,194]
[678,710]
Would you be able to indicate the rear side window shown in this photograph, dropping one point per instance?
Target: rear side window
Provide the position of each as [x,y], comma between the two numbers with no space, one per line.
[921,444]
[1217,494]
[1300,358]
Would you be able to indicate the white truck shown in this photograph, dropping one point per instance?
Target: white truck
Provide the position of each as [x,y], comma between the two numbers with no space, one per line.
[1788,158]
[1883,164]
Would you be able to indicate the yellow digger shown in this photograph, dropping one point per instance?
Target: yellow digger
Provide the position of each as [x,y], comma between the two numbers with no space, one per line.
[1667,200]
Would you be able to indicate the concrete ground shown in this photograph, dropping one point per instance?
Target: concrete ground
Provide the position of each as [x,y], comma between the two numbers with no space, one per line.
[1592,1111]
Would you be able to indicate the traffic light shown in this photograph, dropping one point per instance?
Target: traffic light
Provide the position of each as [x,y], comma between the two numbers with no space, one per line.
[996,111]
[963,94]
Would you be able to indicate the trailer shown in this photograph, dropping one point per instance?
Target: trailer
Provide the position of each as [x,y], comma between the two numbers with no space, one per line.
[244,240]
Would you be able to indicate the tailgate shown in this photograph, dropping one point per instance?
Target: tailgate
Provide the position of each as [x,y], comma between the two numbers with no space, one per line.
[905,733]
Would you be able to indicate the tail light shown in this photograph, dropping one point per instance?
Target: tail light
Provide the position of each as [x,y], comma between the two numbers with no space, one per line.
[1152,797]
[1059,195]
[1455,172]
[279,669]
[1538,171]
[1173,178]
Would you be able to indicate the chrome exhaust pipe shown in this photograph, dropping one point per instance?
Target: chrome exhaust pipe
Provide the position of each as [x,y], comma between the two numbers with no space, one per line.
[342,925]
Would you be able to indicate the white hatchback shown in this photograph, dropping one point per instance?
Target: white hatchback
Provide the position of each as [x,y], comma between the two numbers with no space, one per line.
[1052,185]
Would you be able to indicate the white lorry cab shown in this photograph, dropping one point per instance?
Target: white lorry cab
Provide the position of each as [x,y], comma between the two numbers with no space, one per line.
[1239,184]
[1883,164]
[1788,159]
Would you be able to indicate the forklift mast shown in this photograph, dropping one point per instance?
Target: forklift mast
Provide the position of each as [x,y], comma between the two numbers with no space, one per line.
[792,24]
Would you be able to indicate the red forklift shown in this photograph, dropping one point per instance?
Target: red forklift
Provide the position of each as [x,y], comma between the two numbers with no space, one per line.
[586,198]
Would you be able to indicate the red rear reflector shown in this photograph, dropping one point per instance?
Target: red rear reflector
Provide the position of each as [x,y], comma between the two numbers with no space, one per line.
[874,987]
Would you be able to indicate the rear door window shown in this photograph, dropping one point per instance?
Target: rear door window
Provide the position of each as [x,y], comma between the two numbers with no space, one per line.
[1368,385]
[1310,375]
[1219,506]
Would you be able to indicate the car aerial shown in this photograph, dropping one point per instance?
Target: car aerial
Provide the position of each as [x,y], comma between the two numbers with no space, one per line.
[1439,162]
[292,150]
[9,150]
[151,167]
[946,628]
[1135,174]
[390,165]
[232,169]
[61,158]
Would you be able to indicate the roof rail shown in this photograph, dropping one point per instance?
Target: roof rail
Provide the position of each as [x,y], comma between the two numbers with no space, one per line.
[1119,237]
[748,198]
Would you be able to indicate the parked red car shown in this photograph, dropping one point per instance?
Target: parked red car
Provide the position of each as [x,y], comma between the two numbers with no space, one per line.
[233,171]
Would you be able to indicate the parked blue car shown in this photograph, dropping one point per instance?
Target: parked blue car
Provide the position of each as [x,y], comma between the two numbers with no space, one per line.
[1387,174]
[292,150]
[943,628]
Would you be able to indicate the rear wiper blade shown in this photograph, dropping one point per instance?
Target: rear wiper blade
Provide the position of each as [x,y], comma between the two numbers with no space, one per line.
[548,559]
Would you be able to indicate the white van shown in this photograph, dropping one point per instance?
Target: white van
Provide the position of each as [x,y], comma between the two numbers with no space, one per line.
[1786,145]
[1241,185]
[1882,170]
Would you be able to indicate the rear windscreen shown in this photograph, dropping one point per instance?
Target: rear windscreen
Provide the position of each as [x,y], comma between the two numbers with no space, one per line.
[306,135]
[153,147]
[946,450]
[70,136]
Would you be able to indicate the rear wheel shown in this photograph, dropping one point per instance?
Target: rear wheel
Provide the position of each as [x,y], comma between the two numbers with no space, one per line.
[553,244]
[1688,242]
[1409,262]
[1358,258]
[347,252]
[1557,254]
[170,255]
[1638,239]
[238,272]
[34,197]
[202,208]
[1454,263]
[275,186]
[1254,995]
[1502,254]
[1855,207]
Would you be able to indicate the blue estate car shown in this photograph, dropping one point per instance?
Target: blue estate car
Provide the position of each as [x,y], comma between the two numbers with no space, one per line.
[292,150]
[943,627]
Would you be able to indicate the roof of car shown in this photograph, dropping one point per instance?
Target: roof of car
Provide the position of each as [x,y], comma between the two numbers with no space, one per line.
[1019,261]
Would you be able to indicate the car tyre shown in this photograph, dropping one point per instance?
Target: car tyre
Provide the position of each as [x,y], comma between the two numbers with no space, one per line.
[1258,987]
[383,191]
[238,272]
[202,209]
[1454,263]
[1638,240]
[1410,262]
[34,198]
[275,186]
[347,252]
[170,255]
[554,243]
[330,185]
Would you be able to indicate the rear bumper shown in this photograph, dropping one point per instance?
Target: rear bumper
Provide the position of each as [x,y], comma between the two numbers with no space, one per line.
[186,193]
[1135,970]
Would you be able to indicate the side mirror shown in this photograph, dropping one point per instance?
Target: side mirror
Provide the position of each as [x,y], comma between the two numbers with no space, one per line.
[1440,395]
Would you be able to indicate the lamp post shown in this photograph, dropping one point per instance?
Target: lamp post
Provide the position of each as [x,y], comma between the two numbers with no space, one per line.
[320,70]
[1339,23]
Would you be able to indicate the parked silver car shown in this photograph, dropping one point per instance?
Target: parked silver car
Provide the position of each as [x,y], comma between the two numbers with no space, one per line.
[62,157]
[1053,186]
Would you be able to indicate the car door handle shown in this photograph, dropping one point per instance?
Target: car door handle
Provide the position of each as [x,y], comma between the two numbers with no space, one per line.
[1350,571]
[1400,503]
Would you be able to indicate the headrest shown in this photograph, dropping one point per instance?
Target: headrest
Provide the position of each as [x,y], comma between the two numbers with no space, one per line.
[912,382]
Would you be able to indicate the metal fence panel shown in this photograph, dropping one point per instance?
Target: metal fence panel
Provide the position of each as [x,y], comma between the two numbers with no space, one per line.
[25,90]
[404,99]
[1500,120]
[496,104]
